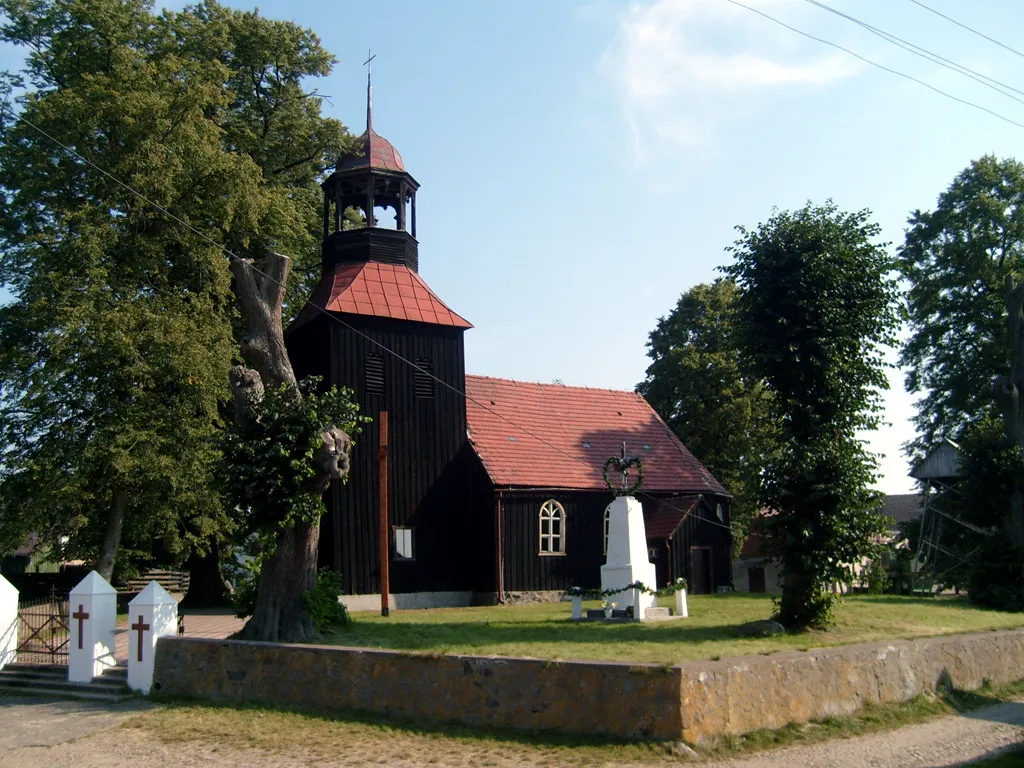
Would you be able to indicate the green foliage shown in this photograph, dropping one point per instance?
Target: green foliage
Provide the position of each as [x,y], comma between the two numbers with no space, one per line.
[996,576]
[323,603]
[877,577]
[955,260]
[271,455]
[116,344]
[816,305]
[697,385]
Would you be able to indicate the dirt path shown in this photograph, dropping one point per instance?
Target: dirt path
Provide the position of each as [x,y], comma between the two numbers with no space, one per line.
[36,733]
[948,741]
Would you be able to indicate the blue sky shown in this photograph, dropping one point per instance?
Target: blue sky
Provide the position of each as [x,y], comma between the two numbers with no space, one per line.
[584,163]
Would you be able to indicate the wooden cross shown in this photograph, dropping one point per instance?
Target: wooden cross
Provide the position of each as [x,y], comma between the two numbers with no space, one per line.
[140,626]
[81,616]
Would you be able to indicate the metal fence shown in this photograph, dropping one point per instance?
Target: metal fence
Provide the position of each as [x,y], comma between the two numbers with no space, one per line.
[43,634]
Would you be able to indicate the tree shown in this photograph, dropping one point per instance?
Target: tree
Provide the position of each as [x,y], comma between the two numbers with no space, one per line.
[816,305]
[964,262]
[697,385]
[956,260]
[206,114]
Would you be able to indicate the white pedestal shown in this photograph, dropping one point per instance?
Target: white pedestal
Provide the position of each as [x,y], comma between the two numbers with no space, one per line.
[577,608]
[152,613]
[681,609]
[8,622]
[92,618]
[627,553]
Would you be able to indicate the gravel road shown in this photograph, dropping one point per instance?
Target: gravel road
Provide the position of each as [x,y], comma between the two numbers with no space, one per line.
[36,733]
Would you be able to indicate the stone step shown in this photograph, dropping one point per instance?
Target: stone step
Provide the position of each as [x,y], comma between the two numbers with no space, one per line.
[51,680]
[83,692]
[658,613]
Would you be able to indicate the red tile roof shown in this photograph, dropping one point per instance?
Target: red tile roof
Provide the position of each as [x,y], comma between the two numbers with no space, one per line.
[374,152]
[379,290]
[662,519]
[587,424]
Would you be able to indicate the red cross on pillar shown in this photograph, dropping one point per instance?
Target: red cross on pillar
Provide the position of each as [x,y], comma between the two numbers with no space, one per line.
[140,626]
[80,615]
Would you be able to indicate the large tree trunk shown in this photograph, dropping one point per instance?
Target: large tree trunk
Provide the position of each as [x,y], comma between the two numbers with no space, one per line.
[112,534]
[279,615]
[1007,391]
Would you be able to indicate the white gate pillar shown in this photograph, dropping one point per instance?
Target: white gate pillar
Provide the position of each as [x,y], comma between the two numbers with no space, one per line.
[152,613]
[92,619]
[8,622]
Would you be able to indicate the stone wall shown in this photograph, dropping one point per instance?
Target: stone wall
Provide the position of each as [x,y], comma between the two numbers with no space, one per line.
[692,701]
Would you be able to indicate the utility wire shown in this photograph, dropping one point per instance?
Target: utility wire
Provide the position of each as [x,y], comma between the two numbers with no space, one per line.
[876,64]
[969,29]
[324,310]
[924,53]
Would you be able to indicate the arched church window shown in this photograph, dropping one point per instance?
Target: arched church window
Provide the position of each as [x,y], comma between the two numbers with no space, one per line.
[552,528]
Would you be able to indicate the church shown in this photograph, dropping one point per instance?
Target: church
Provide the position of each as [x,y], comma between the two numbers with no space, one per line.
[495,488]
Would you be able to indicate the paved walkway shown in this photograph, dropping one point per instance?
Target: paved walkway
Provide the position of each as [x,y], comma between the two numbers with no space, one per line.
[216,623]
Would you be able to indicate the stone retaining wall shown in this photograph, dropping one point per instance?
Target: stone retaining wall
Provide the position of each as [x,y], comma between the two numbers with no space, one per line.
[691,701]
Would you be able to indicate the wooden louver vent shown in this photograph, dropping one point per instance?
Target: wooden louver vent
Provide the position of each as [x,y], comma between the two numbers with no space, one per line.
[423,378]
[374,375]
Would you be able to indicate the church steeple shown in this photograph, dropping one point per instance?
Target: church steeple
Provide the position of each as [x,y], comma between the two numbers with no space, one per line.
[370,180]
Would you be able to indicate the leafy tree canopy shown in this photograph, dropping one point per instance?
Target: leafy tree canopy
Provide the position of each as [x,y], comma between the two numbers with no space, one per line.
[956,260]
[116,345]
[816,306]
[697,384]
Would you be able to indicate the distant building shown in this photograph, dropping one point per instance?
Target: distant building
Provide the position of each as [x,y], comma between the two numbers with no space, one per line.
[752,571]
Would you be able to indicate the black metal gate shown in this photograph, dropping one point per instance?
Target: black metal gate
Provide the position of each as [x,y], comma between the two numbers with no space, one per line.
[43,635]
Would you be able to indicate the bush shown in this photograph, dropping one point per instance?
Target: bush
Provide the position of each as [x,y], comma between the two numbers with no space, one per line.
[996,576]
[323,602]
[877,577]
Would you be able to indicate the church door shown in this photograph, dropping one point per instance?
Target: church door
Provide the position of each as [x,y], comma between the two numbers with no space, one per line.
[701,582]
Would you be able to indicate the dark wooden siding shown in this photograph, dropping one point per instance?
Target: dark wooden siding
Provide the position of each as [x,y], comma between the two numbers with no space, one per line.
[702,528]
[433,475]
[525,569]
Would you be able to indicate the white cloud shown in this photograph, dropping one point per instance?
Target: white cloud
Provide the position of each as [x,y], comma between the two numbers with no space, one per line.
[681,67]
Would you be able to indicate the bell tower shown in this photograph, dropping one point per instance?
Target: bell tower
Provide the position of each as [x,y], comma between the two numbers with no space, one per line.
[374,326]
[371,181]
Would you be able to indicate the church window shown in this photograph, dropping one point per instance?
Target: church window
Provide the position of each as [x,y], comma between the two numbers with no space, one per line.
[403,544]
[423,378]
[552,528]
[374,374]
[607,526]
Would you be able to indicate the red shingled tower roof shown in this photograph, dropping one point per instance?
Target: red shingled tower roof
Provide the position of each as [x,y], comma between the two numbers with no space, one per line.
[587,424]
[379,290]
[376,152]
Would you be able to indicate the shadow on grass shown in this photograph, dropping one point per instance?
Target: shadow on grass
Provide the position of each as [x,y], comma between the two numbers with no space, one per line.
[419,727]
[563,631]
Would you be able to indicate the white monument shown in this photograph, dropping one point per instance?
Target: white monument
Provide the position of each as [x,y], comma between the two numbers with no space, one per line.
[627,554]
[152,613]
[8,622]
[93,618]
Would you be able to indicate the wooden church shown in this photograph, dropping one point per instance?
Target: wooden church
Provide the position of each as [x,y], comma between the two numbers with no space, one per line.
[495,488]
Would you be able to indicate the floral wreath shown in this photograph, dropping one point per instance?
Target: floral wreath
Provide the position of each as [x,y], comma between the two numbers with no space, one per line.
[622,465]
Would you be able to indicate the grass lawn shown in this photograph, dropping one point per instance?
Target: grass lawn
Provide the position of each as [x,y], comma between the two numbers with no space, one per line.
[546,631]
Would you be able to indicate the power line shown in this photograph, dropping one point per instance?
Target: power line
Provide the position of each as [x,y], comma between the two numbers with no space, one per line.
[324,310]
[924,53]
[876,64]
[969,29]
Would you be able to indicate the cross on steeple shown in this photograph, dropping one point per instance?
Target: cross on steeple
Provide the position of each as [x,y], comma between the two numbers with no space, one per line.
[80,615]
[140,626]
[369,90]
